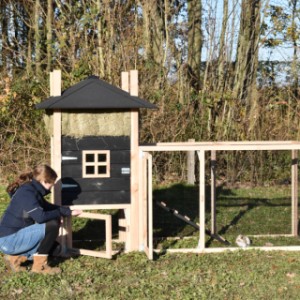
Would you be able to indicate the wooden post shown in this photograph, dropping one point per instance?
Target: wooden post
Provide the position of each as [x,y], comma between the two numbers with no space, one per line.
[55,83]
[55,90]
[122,226]
[143,197]
[67,233]
[146,201]
[134,167]
[150,209]
[201,156]
[133,216]
[295,192]
[124,218]
[213,192]
[191,165]
[134,84]
[125,81]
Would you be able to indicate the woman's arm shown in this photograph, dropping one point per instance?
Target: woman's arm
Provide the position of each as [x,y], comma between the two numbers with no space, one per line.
[38,213]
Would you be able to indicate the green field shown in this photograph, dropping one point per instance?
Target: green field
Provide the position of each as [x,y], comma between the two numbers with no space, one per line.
[230,275]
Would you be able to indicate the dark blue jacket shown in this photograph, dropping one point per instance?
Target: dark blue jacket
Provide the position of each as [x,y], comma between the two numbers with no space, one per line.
[28,206]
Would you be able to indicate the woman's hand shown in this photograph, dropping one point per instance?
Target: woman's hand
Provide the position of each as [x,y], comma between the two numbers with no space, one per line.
[76,212]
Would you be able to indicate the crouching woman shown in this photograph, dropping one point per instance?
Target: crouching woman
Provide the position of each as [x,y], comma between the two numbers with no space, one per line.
[30,225]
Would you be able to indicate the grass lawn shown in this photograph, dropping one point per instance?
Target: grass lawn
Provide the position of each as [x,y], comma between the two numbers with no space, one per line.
[247,211]
[230,275]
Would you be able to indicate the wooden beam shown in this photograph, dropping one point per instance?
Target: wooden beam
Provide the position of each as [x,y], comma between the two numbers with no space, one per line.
[98,206]
[95,216]
[270,235]
[223,146]
[228,249]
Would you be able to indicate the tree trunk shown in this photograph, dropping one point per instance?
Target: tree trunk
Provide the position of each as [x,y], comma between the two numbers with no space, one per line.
[146,29]
[154,30]
[100,42]
[37,37]
[194,40]
[222,60]
[247,52]
[4,41]
[295,47]
[49,34]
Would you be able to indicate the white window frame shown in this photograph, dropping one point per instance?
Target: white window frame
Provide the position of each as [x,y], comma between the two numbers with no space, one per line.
[95,163]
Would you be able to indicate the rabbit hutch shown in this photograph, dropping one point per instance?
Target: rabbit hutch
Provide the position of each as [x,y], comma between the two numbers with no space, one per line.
[94,149]
[94,129]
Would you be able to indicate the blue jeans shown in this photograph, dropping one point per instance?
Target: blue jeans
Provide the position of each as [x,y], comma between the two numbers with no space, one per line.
[24,242]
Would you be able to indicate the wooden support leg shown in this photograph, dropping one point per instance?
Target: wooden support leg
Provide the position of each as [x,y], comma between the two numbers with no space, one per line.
[122,226]
[295,192]
[143,197]
[150,209]
[201,156]
[213,192]
[67,225]
[128,235]
[191,165]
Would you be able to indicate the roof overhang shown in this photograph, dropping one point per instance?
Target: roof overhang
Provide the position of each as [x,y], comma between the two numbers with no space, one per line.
[93,93]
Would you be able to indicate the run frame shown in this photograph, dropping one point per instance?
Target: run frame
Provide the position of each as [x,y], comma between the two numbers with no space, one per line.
[212,147]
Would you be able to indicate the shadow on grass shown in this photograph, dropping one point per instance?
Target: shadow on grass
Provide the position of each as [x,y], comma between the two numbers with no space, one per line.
[185,200]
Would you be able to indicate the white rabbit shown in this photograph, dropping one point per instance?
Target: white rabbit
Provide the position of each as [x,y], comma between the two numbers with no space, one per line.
[243,241]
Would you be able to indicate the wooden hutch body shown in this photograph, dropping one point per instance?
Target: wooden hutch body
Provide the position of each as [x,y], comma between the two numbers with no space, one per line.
[94,129]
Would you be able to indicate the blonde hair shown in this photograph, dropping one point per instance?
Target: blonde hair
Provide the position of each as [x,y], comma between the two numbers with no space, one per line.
[40,173]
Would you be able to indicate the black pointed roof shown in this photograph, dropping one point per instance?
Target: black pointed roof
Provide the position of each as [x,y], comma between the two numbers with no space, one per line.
[94,93]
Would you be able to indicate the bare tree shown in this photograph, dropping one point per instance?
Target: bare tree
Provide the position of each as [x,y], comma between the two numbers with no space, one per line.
[222,59]
[194,39]
[247,51]
[294,39]
[37,37]
[49,34]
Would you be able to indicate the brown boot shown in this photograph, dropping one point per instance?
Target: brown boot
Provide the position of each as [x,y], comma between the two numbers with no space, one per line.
[40,265]
[13,262]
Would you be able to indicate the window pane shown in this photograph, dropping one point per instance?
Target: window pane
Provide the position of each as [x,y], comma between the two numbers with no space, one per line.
[101,157]
[89,157]
[90,170]
[101,169]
